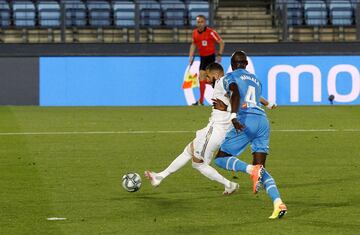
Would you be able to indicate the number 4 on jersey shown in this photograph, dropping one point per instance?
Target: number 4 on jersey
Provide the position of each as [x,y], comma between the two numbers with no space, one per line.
[250,97]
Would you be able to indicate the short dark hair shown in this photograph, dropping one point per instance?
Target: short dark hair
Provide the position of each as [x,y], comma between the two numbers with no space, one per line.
[201,16]
[215,66]
[239,60]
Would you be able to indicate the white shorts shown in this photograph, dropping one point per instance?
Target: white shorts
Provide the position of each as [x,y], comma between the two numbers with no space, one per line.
[208,140]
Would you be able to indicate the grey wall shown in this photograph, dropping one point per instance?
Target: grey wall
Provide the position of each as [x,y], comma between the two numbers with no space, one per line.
[175,49]
[19,81]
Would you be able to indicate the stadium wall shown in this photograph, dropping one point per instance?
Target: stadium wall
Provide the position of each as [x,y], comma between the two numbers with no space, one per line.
[19,81]
[147,81]
[98,74]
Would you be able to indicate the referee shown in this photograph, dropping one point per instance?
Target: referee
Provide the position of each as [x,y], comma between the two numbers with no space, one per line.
[204,39]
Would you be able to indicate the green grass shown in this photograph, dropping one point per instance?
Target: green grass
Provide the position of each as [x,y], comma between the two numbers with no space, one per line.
[77,176]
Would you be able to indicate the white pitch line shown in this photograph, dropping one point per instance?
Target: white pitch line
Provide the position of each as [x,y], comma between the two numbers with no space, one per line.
[308,130]
[352,130]
[157,132]
[55,218]
[92,132]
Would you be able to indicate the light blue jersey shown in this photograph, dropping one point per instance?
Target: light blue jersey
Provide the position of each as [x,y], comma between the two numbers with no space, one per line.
[250,89]
[250,114]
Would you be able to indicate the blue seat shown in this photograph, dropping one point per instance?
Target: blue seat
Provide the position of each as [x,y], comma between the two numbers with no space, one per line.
[75,12]
[4,14]
[124,13]
[356,6]
[315,12]
[174,12]
[99,13]
[354,3]
[341,12]
[49,13]
[196,8]
[23,13]
[294,11]
[150,13]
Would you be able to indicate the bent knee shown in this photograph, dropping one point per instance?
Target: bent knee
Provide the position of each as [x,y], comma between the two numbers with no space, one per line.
[197,160]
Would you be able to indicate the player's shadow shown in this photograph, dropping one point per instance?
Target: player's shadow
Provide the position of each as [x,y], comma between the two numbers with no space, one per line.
[308,207]
[165,204]
[185,201]
[152,199]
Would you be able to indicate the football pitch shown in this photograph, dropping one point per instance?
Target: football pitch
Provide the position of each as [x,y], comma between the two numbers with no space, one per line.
[68,162]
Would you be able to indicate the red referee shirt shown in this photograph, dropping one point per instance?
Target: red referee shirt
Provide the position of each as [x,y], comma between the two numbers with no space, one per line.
[205,41]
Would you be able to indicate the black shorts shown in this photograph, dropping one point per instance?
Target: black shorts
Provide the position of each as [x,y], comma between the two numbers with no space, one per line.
[206,60]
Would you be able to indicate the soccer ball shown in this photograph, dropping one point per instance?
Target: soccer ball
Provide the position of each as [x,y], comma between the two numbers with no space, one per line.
[131,182]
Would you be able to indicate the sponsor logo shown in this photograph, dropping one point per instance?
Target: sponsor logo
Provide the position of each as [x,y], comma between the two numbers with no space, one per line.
[294,75]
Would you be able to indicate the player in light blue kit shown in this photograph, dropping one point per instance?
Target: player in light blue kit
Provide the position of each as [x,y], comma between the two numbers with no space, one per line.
[250,126]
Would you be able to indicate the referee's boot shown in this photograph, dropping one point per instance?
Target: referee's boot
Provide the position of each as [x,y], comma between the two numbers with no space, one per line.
[197,103]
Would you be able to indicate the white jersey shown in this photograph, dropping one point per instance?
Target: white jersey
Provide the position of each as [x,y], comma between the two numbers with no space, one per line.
[220,93]
[209,139]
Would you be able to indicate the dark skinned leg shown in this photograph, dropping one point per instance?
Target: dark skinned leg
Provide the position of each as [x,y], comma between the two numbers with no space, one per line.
[259,158]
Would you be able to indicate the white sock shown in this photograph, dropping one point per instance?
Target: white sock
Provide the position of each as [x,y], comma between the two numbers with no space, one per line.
[211,173]
[175,165]
[249,169]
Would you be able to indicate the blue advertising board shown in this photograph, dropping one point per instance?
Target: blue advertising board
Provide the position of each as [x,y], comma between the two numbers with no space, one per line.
[157,81]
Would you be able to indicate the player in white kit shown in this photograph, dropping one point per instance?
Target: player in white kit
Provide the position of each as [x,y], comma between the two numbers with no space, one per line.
[207,141]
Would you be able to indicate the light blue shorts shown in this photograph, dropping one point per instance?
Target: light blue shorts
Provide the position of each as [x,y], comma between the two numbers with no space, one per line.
[256,133]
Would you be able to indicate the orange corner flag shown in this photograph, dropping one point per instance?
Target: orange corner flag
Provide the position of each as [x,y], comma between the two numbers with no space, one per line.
[190,81]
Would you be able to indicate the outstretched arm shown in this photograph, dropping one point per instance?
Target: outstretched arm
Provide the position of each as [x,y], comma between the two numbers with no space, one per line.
[192,52]
[268,104]
[221,43]
[235,102]
[221,50]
